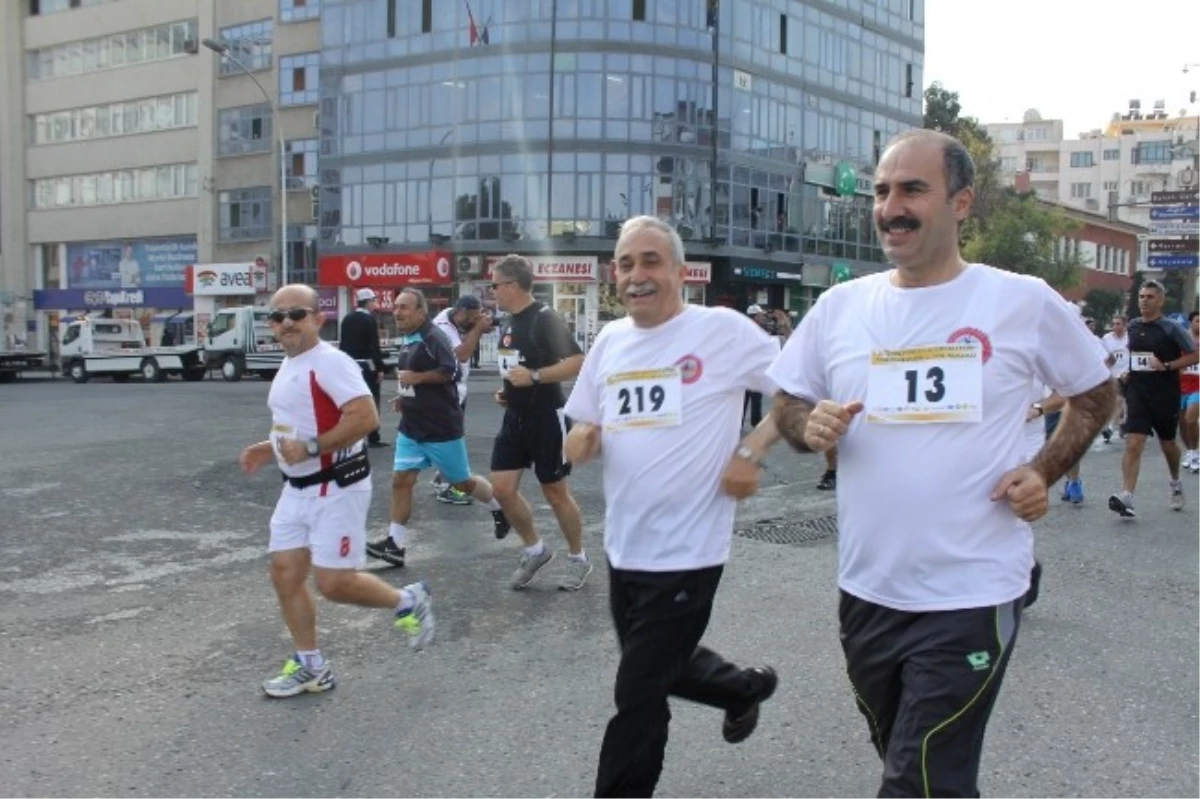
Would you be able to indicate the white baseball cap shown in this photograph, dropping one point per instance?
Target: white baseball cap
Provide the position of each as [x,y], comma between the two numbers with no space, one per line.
[362,295]
[754,309]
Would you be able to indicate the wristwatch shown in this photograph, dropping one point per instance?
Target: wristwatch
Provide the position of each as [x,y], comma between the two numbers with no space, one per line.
[1037,406]
[536,376]
[746,453]
[312,448]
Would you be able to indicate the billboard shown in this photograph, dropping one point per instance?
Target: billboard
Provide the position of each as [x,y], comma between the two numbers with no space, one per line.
[220,280]
[130,263]
[385,269]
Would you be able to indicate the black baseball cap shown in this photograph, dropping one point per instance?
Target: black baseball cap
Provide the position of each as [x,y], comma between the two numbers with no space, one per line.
[468,302]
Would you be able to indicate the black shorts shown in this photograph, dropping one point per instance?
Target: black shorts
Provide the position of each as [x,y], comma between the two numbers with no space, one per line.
[534,438]
[1147,411]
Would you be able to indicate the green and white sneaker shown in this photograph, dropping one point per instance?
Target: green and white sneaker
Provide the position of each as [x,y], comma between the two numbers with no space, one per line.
[417,622]
[295,679]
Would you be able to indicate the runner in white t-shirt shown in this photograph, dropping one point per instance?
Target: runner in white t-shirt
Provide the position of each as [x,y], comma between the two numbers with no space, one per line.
[922,376]
[463,325]
[321,410]
[1116,343]
[659,400]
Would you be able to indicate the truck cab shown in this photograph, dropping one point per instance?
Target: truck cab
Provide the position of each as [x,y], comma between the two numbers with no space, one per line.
[240,340]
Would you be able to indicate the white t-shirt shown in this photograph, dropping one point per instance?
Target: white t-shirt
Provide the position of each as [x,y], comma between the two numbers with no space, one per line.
[1118,346]
[444,323]
[918,530]
[665,510]
[306,399]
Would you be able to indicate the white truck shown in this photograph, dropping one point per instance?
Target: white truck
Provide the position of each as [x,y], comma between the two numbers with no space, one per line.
[240,340]
[117,348]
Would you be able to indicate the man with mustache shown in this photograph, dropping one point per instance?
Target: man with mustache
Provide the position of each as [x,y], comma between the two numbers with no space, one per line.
[922,376]
[655,383]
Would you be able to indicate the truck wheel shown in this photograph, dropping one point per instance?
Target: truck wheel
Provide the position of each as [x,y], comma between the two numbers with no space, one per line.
[151,371]
[194,374]
[78,372]
[232,369]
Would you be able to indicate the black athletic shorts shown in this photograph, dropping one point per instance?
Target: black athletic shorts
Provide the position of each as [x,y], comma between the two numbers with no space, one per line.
[1147,410]
[532,438]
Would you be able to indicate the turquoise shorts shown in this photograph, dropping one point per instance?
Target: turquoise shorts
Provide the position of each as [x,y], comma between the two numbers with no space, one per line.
[448,457]
[1189,399]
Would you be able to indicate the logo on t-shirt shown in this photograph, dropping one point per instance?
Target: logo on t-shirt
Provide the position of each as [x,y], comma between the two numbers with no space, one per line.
[972,335]
[690,369]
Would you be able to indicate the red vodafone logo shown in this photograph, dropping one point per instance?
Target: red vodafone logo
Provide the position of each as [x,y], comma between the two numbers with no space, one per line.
[443,267]
[378,269]
[354,270]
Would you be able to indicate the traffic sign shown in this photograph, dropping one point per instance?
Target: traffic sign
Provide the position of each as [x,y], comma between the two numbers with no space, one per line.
[1174,261]
[1184,197]
[1175,213]
[1175,228]
[1174,245]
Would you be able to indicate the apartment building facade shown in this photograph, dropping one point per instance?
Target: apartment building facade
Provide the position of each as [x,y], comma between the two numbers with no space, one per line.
[1116,167]
[131,150]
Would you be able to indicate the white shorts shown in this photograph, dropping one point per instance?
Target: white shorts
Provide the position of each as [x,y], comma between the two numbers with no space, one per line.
[332,527]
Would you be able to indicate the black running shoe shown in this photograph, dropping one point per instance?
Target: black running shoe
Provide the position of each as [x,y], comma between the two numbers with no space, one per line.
[387,551]
[502,525]
[828,481]
[737,729]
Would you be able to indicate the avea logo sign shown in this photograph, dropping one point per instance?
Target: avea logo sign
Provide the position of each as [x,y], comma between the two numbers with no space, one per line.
[234,280]
[206,278]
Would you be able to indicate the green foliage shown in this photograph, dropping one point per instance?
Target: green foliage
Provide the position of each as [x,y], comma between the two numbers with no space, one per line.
[1021,235]
[1102,305]
[1131,306]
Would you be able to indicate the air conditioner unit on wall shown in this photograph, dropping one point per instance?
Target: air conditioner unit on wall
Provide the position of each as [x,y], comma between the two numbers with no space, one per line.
[468,265]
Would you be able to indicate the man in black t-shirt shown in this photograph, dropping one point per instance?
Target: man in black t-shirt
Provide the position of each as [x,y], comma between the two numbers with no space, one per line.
[1158,350]
[431,422]
[536,354]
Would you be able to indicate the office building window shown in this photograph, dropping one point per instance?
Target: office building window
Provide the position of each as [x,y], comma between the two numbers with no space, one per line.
[1081,191]
[639,10]
[250,44]
[108,52]
[42,7]
[245,214]
[301,163]
[298,74]
[1112,155]
[1110,185]
[297,10]
[1139,188]
[1079,160]
[244,130]
[115,119]
[168,182]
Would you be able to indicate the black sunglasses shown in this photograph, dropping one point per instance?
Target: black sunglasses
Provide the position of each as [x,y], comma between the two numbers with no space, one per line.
[295,314]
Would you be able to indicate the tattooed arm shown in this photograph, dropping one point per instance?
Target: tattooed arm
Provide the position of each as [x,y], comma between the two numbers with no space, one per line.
[1082,419]
[791,418]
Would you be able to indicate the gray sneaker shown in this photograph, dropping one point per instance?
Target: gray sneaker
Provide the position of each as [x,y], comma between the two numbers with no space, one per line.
[295,679]
[574,574]
[529,566]
[417,622]
[1176,495]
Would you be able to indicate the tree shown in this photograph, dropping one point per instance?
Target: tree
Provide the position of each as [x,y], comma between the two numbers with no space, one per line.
[1174,286]
[1102,305]
[1021,235]
[1131,308]
[484,215]
[943,112]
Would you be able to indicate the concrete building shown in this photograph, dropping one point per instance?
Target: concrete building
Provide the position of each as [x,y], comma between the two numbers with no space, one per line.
[1118,167]
[129,151]
[452,133]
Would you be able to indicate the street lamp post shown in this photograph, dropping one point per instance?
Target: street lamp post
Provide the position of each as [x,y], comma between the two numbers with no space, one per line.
[222,50]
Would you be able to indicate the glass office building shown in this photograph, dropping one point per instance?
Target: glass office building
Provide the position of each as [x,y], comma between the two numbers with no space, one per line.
[537,126]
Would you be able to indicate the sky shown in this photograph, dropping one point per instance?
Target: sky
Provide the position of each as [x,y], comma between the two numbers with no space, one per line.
[1071,60]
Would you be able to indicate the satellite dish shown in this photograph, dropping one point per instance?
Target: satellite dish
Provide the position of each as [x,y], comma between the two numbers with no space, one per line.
[1032,115]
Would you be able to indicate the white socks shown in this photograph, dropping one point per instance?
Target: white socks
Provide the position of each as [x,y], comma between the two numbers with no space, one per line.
[311,659]
[484,493]
[397,532]
[536,550]
[407,601]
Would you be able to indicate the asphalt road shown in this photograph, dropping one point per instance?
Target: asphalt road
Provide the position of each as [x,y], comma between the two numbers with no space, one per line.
[137,622]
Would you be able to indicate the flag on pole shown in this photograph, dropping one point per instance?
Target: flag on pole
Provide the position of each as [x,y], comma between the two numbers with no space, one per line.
[483,35]
[472,31]
[714,12]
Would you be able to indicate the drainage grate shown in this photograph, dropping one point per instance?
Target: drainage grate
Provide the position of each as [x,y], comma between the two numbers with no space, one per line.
[778,531]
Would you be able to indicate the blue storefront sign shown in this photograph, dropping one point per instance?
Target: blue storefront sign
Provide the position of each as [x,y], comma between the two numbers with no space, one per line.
[76,299]
[1175,261]
[129,264]
[1182,213]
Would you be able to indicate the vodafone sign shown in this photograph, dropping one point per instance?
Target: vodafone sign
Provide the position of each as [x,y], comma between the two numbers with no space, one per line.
[385,269]
[546,268]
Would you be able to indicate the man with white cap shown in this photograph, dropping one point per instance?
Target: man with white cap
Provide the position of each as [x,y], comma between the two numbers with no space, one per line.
[359,338]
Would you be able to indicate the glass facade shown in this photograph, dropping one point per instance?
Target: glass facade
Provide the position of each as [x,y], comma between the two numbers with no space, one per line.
[436,123]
